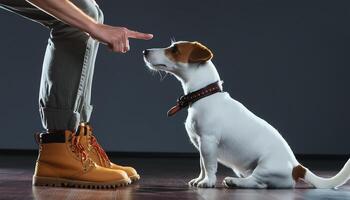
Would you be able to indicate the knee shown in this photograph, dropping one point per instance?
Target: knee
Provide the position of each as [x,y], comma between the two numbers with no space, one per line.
[99,16]
[90,8]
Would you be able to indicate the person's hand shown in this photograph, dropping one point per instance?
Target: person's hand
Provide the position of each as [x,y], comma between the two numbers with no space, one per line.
[117,38]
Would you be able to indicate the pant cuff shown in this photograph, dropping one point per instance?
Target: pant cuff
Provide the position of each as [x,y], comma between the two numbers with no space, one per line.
[58,119]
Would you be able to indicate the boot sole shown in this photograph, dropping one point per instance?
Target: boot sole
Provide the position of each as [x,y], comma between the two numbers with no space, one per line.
[61,182]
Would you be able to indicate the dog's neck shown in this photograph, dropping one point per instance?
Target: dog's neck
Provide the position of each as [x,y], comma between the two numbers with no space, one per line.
[199,77]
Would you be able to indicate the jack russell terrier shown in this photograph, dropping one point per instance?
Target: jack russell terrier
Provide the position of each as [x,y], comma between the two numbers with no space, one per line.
[223,130]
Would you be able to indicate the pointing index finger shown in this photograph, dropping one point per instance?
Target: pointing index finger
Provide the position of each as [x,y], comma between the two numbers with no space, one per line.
[139,35]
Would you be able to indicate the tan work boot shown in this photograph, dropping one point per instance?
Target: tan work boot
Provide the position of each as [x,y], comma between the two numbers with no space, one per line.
[98,155]
[63,161]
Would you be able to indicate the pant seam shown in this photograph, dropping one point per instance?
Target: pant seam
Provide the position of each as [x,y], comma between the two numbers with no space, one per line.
[79,101]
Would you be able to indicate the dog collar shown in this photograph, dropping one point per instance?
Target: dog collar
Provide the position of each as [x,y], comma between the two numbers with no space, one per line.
[187,100]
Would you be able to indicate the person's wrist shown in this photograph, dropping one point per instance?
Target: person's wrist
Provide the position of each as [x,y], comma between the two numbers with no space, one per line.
[92,28]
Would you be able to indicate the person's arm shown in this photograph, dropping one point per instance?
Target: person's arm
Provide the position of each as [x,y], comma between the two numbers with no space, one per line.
[115,37]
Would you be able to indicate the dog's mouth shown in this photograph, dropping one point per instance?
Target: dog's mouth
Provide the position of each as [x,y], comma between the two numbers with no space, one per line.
[159,65]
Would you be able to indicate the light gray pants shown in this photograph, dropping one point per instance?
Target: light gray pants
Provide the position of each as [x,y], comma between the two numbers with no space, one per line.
[68,67]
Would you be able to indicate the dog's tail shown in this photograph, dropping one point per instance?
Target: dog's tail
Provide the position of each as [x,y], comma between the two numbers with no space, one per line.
[300,172]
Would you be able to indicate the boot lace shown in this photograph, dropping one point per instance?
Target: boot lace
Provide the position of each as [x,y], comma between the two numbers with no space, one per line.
[102,154]
[78,149]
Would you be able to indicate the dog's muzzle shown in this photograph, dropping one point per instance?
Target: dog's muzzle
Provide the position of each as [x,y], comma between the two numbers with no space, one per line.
[145,52]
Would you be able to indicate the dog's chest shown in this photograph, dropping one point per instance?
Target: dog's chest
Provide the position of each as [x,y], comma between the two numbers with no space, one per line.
[198,121]
[191,126]
[192,129]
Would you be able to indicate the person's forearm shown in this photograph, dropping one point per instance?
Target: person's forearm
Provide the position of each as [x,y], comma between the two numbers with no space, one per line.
[67,12]
[117,38]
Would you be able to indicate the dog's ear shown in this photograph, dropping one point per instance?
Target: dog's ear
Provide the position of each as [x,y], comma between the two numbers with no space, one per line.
[200,53]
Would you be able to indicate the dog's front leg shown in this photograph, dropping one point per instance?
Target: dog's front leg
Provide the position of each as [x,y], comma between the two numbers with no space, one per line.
[208,151]
[195,181]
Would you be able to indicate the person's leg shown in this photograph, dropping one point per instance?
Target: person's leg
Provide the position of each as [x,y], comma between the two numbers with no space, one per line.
[68,67]
[66,77]
[65,88]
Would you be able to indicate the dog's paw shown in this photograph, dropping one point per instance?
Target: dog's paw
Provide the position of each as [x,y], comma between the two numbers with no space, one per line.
[229,182]
[207,183]
[249,182]
[194,181]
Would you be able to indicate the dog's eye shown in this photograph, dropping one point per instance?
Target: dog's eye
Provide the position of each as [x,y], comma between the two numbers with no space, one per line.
[174,49]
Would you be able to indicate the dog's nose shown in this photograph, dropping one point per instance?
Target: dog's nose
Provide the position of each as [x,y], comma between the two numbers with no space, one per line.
[145,52]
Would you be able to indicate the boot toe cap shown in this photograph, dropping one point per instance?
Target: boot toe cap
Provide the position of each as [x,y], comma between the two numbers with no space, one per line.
[130,171]
[109,175]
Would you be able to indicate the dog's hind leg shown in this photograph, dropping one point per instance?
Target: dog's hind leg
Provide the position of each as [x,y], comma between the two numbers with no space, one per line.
[264,176]
[237,173]
[248,182]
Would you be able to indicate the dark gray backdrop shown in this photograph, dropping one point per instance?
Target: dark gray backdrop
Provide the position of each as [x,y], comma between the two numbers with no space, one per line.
[287,61]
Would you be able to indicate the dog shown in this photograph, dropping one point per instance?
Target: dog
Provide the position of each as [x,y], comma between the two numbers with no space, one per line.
[224,130]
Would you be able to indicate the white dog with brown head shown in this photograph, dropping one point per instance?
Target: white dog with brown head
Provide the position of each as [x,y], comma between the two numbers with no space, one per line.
[225,131]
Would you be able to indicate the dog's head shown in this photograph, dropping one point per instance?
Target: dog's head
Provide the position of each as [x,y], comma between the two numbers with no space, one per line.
[178,58]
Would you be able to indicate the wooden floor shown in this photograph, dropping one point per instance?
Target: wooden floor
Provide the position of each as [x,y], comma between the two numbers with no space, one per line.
[162,178]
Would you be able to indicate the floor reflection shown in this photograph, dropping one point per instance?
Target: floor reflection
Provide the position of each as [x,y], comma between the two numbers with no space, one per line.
[323,194]
[44,193]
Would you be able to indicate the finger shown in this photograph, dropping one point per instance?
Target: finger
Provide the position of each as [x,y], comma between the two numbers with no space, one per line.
[138,35]
[116,47]
[126,43]
[121,47]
